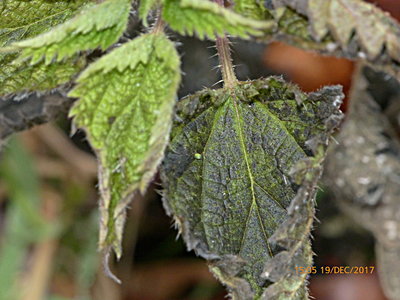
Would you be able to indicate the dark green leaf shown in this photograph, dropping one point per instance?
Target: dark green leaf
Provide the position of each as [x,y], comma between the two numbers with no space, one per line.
[228,174]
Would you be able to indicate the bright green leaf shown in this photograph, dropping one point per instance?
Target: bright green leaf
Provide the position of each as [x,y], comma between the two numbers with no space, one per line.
[126,108]
[97,26]
[228,174]
[208,19]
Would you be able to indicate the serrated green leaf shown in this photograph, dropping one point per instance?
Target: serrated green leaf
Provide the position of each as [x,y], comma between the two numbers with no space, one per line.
[126,107]
[25,19]
[208,19]
[97,26]
[227,172]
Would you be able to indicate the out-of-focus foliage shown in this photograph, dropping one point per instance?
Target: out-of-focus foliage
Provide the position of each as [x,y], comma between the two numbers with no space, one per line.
[24,224]
[30,231]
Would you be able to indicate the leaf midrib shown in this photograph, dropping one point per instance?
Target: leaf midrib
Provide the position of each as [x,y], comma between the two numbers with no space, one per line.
[252,181]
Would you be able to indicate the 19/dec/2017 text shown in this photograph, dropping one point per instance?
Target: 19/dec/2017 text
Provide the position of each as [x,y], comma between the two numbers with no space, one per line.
[335,270]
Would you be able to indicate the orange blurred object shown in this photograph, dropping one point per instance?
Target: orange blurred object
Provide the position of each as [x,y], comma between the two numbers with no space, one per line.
[309,70]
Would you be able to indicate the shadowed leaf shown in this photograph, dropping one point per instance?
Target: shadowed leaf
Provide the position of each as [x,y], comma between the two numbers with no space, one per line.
[228,174]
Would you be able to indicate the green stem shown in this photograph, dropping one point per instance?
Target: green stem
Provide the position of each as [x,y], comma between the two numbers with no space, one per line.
[160,24]
[225,59]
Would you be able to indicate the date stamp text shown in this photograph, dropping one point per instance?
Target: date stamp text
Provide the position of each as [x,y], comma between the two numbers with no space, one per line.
[335,270]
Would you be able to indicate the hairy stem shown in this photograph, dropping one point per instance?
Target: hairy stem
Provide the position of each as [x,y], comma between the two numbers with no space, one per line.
[225,59]
[159,24]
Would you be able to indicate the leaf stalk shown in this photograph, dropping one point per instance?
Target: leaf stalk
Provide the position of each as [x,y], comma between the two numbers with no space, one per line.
[159,24]
[225,59]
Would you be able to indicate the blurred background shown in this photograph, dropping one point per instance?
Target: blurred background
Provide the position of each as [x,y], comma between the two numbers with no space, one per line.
[48,205]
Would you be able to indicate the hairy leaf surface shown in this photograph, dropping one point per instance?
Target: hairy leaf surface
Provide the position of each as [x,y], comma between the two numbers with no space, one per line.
[208,19]
[293,234]
[227,173]
[351,28]
[126,108]
[26,19]
[97,26]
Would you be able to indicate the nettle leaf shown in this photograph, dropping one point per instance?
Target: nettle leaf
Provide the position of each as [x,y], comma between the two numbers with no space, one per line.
[228,177]
[26,19]
[97,26]
[351,28]
[126,108]
[208,19]
[293,234]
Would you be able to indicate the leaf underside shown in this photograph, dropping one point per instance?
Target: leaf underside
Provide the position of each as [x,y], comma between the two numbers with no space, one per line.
[126,106]
[351,28]
[26,19]
[227,172]
[206,19]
